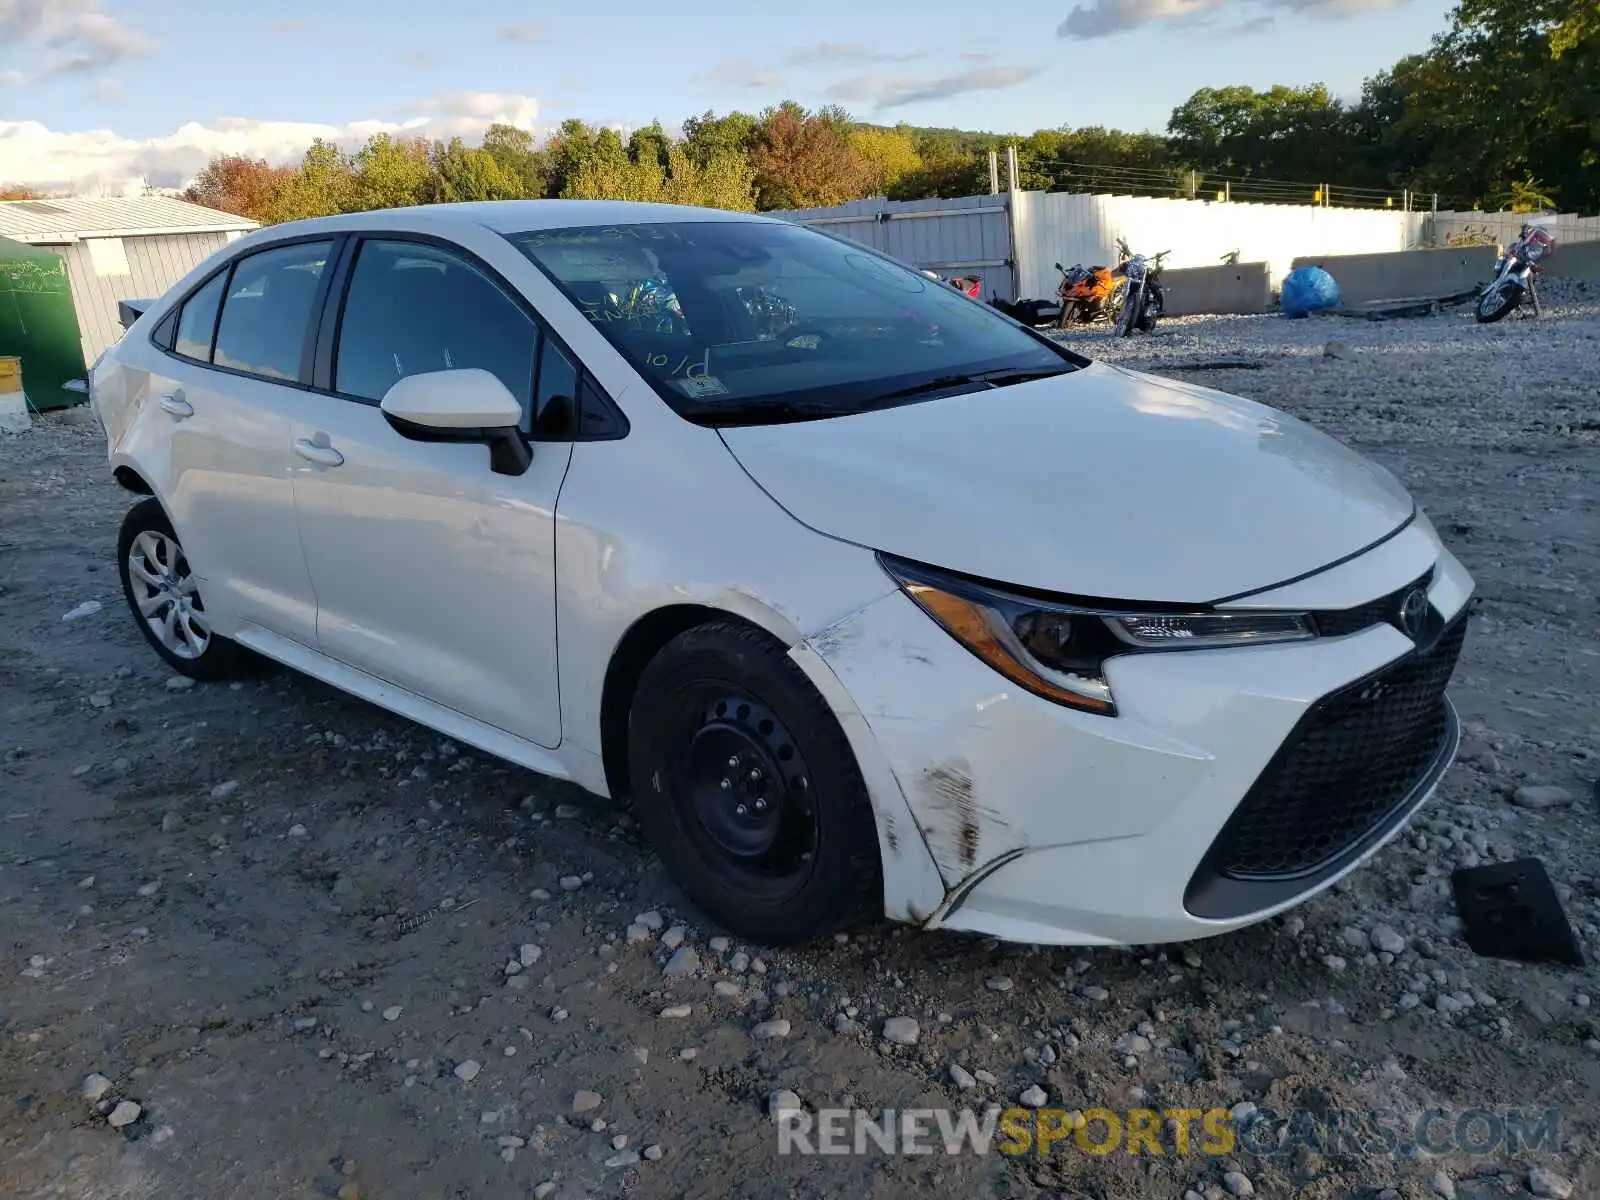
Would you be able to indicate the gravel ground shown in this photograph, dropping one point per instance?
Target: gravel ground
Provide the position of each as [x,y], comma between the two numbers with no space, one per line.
[311,950]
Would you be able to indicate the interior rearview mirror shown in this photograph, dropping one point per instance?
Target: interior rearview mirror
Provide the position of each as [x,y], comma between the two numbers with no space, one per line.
[462,405]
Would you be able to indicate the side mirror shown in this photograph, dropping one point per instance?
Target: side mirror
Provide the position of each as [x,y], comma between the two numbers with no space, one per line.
[463,405]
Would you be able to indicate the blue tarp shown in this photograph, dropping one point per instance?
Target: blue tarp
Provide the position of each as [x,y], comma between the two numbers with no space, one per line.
[1308,289]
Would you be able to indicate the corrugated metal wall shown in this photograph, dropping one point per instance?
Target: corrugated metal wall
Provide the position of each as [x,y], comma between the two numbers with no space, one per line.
[968,235]
[154,265]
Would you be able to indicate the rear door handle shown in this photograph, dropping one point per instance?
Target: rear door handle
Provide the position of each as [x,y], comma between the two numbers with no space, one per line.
[177,406]
[321,454]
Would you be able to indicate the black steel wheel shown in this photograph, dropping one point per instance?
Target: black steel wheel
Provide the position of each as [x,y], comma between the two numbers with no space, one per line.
[748,789]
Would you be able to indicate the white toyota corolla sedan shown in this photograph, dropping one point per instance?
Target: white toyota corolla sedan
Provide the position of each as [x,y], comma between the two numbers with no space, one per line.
[866,596]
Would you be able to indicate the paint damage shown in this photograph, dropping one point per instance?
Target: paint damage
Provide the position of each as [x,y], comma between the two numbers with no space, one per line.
[954,820]
[936,813]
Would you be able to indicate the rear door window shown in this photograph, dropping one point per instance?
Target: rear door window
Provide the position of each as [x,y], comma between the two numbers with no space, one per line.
[267,313]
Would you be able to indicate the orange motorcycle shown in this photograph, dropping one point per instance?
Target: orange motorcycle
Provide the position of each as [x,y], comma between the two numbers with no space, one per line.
[1089,294]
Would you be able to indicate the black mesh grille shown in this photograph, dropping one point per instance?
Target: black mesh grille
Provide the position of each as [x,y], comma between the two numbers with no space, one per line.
[1336,623]
[1352,760]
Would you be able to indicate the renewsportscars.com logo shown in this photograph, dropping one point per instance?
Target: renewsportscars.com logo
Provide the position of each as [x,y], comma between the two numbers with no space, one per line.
[1177,1132]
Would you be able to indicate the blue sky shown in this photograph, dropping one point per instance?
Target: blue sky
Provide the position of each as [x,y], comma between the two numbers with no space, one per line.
[159,84]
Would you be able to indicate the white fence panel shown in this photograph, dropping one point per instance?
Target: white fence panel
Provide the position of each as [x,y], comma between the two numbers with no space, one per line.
[1068,228]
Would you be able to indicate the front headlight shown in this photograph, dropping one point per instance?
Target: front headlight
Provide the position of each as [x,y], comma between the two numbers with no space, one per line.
[1059,650]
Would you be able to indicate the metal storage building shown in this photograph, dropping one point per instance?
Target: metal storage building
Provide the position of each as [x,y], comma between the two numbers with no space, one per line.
[119,249]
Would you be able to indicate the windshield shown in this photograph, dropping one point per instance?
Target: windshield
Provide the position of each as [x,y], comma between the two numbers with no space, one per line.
[735,322]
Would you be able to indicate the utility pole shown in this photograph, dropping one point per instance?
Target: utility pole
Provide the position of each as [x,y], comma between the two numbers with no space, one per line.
[994,172]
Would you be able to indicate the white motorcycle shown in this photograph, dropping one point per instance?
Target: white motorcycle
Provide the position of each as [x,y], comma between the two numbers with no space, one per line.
[1514,275]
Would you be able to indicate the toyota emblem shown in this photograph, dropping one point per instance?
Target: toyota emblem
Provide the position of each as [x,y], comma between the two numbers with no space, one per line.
[1414,612]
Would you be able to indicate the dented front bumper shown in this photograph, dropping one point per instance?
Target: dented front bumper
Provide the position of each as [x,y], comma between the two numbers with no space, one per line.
[1049,825]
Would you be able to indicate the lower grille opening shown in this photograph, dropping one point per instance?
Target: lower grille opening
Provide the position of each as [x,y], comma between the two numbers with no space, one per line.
[1345,776]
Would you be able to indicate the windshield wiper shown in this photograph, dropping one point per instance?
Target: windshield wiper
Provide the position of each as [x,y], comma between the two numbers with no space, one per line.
[764,412]
[1000,378]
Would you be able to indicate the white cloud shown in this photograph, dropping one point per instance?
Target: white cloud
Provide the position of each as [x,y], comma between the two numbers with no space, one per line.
[92,41]
[526,32]
[890,92]
[101,160]
[843,54]
[745,73]
[76,35]
[12,78]
[1101,18]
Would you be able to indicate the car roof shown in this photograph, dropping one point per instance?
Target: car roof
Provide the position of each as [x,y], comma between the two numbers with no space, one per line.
[512,216]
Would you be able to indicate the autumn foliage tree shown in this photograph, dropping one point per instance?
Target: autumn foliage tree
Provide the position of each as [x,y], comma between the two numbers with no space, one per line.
[805,160]
[246,187]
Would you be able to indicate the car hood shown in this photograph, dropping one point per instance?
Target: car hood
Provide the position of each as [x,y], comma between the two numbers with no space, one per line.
[1102,483]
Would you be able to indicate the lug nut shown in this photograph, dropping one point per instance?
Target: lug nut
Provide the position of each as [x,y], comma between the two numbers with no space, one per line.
[742,810]
[726,784]
[761,806]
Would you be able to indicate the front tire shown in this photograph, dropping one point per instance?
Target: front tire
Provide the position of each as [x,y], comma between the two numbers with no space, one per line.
[164,596]
[1131,312]
[748,790]
[1498,299]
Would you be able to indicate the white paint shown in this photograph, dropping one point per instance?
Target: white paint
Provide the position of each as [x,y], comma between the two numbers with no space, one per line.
[411,575]
[469,398]
[1070,228]
[107,257]
[1048,485]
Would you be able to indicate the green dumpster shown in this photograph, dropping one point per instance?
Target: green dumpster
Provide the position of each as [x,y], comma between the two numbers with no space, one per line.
[38,323]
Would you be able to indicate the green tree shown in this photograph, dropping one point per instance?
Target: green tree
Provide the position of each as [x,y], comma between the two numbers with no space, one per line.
[1284,133]
[607,172]
[513,149]
[887,156]
[323,185]
[462,173]
[390,172]
[708,135]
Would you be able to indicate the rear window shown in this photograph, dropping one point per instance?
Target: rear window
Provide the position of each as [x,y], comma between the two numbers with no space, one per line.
[723,315]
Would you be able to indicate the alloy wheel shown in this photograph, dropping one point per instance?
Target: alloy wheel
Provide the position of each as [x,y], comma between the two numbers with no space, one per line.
[167,595]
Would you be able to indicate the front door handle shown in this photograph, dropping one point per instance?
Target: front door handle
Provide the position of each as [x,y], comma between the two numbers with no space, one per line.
[177,406]
[318,452]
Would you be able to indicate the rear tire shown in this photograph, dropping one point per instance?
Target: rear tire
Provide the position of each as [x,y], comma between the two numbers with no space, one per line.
[746,786]
[1498,300]
[163,595]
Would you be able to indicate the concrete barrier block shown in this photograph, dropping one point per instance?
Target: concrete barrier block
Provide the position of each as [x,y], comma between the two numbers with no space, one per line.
[1233,288]
[1405,274]
[1575,260]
